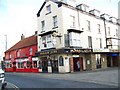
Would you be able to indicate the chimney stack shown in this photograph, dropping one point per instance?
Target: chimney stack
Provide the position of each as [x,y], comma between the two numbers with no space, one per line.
[22,36]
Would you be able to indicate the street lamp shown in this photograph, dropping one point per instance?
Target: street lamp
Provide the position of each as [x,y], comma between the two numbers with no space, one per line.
[5,42]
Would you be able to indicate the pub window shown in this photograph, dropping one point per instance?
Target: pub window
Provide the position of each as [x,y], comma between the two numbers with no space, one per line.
[44,45]
[61,61]
[28,64]
[40,64]
[20,64]
[34,64]
[8,65]
[49,62]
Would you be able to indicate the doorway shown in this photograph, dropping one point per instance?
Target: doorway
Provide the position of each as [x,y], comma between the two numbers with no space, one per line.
[44,65]
[75,60]
[54,66]
[14,66]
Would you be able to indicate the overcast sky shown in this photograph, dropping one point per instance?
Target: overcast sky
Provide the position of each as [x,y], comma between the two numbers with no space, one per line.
[18,17]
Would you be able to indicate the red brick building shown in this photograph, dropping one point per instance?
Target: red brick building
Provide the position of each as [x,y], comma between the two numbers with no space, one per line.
[21,57]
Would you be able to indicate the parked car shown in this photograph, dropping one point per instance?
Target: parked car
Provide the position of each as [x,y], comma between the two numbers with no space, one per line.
[3,82]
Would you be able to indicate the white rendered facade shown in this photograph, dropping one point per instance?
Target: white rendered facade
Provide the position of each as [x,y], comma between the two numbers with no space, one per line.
[61,25]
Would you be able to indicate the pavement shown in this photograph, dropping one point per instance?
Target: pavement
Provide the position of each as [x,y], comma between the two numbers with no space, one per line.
[107,76]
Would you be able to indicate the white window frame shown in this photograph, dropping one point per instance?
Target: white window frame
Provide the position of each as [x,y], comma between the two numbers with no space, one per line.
[109,32]
[72,18]
[33,64]
[88,25]
[31,51]
[55,22]
[44,42]
[74,39]
[48,8]
[117,32]
[100,39]
[43,25]
[99,28]
[8,64]
[48,41]
[90,42]
[20,67]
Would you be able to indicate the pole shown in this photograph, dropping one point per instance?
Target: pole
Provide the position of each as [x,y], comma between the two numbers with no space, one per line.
[5,42]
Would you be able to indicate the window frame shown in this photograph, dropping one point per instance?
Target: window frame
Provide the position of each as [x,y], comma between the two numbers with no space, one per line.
[55,22]
[48,8]
[43,26]
[88,25]
[90,41]
[72,18]
[99,28]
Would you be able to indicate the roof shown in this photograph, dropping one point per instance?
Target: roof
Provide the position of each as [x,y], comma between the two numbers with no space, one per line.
[29,41]
[55,1]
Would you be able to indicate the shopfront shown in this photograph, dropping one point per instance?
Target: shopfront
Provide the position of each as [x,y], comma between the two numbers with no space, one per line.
[62,60]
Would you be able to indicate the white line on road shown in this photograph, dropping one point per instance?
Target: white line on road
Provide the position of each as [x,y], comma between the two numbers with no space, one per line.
[14,86]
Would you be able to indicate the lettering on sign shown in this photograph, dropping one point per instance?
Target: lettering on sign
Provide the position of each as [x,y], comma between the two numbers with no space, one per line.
[48,52]
[80,51]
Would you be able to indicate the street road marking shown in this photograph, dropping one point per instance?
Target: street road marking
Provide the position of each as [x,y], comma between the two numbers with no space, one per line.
[14,86]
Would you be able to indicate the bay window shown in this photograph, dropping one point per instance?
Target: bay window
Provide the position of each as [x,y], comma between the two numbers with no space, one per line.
[47,42]
[74,39]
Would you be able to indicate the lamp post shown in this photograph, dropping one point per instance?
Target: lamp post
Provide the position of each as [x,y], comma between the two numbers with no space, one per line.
[5,42]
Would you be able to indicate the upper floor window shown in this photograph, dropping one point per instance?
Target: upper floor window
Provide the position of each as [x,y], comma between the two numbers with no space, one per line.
[100,40]
[18,54]
[44,42]
[99,28]
[43,25]
[10,56]
[55,22]
[72,21]
[109,31]
[89,41]
[31,50]
[116,32]
[47,42]
[48,9]
[74,39]
[88,25]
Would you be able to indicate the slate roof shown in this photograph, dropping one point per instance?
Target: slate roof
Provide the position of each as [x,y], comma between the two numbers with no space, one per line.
[26,42]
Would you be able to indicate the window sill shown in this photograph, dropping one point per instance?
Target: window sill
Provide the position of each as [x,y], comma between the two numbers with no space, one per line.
[55,27]
[42,31]
[47,13]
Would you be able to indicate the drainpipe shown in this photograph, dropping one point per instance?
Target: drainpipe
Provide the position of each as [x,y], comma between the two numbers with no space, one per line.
[103,18]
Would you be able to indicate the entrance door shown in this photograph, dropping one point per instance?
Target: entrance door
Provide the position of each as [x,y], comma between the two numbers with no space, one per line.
[14,66]
[80,60]
[44,66]
[54,66]
[108,61]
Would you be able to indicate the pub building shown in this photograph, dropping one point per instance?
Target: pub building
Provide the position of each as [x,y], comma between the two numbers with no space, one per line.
[65,60]
[68,33]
